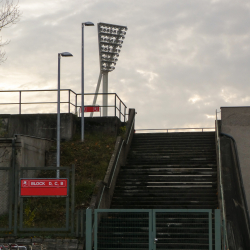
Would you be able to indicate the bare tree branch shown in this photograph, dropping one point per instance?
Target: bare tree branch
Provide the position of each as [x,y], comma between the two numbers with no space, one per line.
[9,15]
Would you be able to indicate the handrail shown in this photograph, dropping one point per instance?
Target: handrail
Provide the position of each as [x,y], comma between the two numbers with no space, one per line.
[114,167]
[119,111]
[225,240]
[118,157]
[130,126]
[167,129]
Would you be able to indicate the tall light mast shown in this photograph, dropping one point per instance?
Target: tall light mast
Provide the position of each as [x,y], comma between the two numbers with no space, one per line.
[110,38]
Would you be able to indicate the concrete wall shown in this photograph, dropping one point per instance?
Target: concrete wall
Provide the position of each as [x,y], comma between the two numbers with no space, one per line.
[235,121]
[45,125]
[5,162]
[39,125]
[30,152]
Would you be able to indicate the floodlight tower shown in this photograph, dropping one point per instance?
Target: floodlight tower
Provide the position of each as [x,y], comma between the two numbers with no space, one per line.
[110,38]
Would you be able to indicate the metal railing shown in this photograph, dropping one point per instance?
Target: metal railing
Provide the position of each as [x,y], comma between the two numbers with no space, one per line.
[224,238]
[117,108]
[118,155]
[175,129]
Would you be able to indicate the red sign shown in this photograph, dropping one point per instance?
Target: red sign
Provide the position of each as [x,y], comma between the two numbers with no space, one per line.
[44,187]
[90,109]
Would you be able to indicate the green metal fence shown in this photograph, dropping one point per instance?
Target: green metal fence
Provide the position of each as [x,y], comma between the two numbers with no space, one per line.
[153,229]
[50,205]
[30,216]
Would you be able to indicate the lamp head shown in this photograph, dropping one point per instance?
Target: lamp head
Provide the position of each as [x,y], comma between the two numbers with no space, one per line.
[66,54]
[88,24]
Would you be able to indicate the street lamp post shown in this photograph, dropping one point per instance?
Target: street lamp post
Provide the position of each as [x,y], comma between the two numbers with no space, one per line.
[65,54]
[82,115]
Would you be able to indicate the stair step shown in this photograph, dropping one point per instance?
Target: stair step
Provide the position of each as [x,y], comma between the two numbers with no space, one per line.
[139,173]
[185,165]
[169,170]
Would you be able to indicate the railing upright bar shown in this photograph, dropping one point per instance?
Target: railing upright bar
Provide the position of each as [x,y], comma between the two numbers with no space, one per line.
[20,102]
[115,104]
[69,102]
[120,107]
[125,113]
[76,104]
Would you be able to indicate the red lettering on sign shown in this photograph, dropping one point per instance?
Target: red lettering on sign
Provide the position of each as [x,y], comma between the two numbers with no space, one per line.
[44,187]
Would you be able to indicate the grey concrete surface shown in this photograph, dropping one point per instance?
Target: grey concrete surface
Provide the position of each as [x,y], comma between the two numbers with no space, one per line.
[235,121]
[30,152]
[39,125]
[5,174]
[45,244]
[45,125]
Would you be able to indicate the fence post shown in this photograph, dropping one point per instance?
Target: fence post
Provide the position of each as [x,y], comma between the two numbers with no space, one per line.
[217,229]
[88,234]
[82,222]
[20,100]
[72,197]
[16,200]
[210,230]
[77,222]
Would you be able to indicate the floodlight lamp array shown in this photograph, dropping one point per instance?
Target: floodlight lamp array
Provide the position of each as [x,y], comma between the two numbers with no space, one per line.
[110,43]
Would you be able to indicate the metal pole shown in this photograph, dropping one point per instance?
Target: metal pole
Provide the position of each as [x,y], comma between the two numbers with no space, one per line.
[58,120]
[105,94]
[20,100]
[82,117]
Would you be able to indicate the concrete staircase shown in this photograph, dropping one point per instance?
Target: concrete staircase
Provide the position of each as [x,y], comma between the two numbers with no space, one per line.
[163,171]
[169,171]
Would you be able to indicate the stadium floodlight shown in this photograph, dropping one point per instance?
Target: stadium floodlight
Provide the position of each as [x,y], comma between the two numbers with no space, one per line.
[110,37]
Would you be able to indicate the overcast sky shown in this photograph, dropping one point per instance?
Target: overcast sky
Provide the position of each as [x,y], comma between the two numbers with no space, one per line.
[180,61]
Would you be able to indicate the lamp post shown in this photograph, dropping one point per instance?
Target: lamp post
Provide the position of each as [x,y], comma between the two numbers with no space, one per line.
[82,115]
[65,54]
